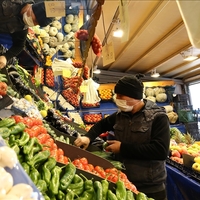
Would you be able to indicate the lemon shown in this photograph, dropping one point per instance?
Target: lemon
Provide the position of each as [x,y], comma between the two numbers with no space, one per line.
[43,113]
[28,97]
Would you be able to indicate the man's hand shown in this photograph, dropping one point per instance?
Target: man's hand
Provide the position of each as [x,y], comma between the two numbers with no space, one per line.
[113,146]
[3,62]
[82,141]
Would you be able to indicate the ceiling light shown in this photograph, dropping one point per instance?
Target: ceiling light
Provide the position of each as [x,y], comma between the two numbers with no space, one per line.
[154,74]
[118,33]
[190,58]
[188,55]
[96,71]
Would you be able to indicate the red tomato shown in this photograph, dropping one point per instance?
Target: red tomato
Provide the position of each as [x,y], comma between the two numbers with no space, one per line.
[35,130]
[49,142]
[54,153]
[17,118]
[91,167]
[100,171]
[54,146]
[28,121]
[84,161]
[76,162]
[86,168]
[42,138]
[60,152]
[66,160]
[61,159]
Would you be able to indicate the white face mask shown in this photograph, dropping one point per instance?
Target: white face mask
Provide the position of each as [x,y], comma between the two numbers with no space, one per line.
[121,104]
[28,20]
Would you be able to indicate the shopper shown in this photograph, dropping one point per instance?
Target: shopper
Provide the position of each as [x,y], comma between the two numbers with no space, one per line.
[15,18]
[141,130]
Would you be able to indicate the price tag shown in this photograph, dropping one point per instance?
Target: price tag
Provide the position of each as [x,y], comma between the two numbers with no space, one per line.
[108,54]
[55,8]
[84,88]
[66,73]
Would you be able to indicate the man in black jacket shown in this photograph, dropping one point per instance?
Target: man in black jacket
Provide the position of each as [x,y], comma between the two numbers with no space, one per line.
[15,18]
[142,137]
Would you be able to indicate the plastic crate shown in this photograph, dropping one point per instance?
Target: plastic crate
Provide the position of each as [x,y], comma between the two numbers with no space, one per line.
[185,116]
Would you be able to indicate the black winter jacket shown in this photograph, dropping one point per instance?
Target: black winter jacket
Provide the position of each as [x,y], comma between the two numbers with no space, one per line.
[144,147]
[11,22]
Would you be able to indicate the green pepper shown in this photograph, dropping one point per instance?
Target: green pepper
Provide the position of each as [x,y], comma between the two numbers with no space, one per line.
[4,132]
[129,195]
[120,190]
[67,178]
[34,175]
[46,169]
[141,196]
[77,185]
[99,190]
[27,148]
[16,149]
[61,195]
[17,128]
[12,140]
[55,179]
[46,197]
[105,186]
[39,158]
[41,185]
[111,195]
[20,158]
[33,151]
[70,195]
[89,191]
[26,167]
[23,139]
[7,122]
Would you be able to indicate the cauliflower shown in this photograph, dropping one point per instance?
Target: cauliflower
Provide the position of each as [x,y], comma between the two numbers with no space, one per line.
[68,54]
[57,24]
[46,38]
[46,28]
[46,48]
[69,19]
[52,51]
[64,48]
[75,27]
[53,41]
[76,19]
[60,36]
[53,31]
[67,28]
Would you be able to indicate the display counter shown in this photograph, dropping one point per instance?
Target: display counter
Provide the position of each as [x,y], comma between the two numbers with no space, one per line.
[180,186]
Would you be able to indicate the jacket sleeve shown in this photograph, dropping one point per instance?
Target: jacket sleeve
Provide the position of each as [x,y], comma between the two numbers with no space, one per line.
[18,43]
[102,126]
[157,148]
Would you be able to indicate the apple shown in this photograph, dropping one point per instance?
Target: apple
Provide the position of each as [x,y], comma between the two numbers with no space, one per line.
[197,159]
[196,166]
[175,153]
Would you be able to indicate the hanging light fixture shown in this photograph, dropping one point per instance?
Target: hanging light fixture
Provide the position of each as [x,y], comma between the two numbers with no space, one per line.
[96,70]
[188,55]
[154,74]
[117,32]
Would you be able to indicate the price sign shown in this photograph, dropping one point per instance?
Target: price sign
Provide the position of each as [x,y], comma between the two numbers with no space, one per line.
[108,54]
[66,73]
[55,8]
[84,88]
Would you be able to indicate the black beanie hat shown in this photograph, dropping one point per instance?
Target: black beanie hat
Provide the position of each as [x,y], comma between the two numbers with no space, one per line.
[40,14]
[130,86]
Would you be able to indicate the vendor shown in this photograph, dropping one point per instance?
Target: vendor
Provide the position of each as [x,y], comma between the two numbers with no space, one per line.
[15,18]
[142,136]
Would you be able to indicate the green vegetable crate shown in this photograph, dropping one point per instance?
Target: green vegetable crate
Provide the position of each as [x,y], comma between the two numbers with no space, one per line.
[185,116]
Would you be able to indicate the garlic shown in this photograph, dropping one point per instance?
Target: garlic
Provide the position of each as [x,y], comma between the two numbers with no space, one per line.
[8,157]
[21,190]
[7,180]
